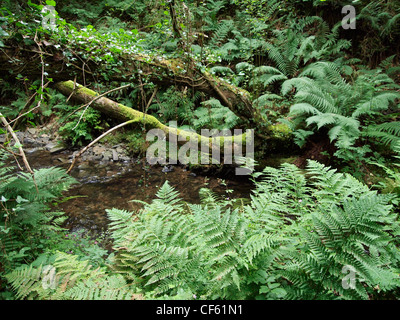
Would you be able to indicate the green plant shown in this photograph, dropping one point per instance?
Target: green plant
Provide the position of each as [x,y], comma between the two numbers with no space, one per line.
[300,232]
[175,105]
[32,102]
[213,115]
[77,126]
[26,214]
[67,277]
[351,111]
[293,49]
[348,226]
[391,182]
[381,21]
[291,242]
[300,228]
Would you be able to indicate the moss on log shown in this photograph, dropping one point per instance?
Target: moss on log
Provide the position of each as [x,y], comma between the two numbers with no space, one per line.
[120,112]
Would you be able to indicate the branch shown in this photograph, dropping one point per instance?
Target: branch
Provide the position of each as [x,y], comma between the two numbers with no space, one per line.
[18,143]
[96,140]
[94,99]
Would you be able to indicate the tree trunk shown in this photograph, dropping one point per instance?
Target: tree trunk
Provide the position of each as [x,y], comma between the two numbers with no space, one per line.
[123,113]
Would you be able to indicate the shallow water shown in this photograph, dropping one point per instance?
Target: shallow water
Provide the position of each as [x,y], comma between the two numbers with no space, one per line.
[112,185]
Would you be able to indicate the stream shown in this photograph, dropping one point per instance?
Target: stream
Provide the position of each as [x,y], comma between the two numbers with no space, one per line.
[106,185]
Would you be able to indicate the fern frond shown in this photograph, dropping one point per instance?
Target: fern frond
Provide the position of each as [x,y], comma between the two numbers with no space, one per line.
[387,133]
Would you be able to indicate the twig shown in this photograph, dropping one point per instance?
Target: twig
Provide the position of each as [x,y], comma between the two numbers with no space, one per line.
[21,115]
[42,62]
[5,149]
[83,73]
[83,106]
[73,90]
[151,99]
[18,143]
[23,49]
[11,59]
[96,140]
[96,98]
[80,68]
[15,155]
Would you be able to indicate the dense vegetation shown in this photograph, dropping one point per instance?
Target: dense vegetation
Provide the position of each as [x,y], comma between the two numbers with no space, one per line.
[310,89]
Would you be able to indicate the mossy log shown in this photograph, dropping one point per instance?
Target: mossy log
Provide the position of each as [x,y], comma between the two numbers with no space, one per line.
[279,134]
[123,113]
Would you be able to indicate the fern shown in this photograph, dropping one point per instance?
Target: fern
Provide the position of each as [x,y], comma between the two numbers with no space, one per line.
[26,281]
[266,76]
[26,211]
[350,236]
[176,253]
[113,287]
[213,115]
[296,234]
[387,133]
[302,229]
[381,18]
[209,198]
[325,100]
[391,183]
[346,228]
[293,50]
[69,279]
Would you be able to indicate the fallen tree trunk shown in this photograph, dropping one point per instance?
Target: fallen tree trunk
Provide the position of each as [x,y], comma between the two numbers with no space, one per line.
[123,113]
[209,148]
[237,144]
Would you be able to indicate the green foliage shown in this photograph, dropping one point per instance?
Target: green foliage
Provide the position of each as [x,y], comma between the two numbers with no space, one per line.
[381,19]
[391,182]
[293,48]
[348,226]
[351,111]
[263,10]
[32,101]
[16,107]
[77,126]
[82,127]
[300,231]
[213,115]
[26,213]
[292,241]
[67,278]
[175,105]
[388,133]
[31,233]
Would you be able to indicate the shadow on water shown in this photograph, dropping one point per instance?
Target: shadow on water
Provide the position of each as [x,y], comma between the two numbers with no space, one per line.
[112,185]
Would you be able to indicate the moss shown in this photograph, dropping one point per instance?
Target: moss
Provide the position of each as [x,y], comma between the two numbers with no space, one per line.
[87,91]
[174,65]
[280,130]
[68,84]
[81,89]
[222,83]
